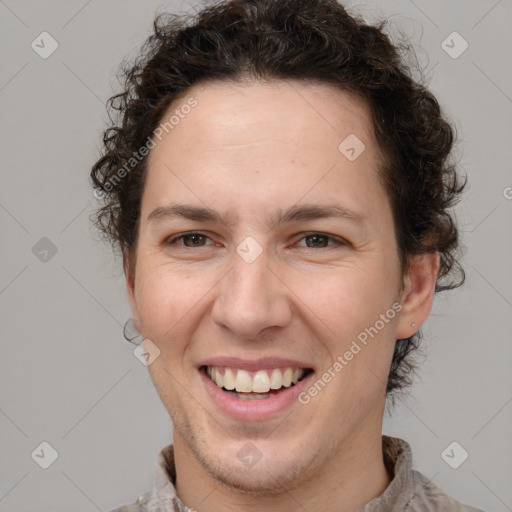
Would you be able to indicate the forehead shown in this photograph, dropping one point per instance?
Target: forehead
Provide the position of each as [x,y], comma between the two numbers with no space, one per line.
[227,114]
[265,142]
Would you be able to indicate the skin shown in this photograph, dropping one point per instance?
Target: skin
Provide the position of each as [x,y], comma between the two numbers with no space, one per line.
[239,153]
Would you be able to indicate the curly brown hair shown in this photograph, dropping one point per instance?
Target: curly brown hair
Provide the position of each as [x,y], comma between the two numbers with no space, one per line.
[310,40]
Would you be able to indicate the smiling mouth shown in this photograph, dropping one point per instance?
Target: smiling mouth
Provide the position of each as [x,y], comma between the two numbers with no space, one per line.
[259,385]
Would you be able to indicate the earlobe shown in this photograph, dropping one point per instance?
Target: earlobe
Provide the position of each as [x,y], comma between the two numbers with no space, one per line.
[418,293]
[130,292]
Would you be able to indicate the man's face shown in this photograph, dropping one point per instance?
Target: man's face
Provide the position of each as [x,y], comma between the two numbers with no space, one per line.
[297,292]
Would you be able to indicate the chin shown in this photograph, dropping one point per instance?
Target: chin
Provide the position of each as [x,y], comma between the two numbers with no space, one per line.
[264,480]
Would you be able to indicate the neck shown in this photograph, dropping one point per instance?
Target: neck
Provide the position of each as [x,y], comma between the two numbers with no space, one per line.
[350,478]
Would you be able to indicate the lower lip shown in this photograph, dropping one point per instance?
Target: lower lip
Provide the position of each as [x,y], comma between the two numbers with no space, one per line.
[254,410]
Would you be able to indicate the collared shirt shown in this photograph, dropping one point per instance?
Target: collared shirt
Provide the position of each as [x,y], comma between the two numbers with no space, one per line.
[409,490]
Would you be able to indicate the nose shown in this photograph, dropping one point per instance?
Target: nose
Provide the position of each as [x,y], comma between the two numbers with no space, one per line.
[252,298]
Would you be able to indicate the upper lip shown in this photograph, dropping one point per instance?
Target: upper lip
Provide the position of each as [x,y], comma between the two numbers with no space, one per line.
[262,363]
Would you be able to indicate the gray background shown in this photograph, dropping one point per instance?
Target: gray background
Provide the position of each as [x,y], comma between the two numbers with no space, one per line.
[67,375]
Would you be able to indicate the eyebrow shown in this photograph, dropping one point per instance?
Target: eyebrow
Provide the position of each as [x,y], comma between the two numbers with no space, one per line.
[293,214]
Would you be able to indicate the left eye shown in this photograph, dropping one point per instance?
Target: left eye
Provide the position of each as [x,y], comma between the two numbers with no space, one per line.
[318,240]
[316,237]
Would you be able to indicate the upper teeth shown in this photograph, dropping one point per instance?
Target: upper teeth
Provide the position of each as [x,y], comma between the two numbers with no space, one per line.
[260,382]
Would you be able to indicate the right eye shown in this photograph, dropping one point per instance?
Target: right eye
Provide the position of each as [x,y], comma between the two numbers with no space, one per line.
[194,237]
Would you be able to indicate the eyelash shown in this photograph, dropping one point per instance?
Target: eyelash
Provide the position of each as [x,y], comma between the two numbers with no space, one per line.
[338,242]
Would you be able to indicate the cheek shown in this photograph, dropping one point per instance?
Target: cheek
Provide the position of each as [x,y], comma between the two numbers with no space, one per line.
[164,300]
[346,297]
[349,304]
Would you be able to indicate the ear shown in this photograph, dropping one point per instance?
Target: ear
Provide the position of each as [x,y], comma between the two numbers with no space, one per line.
[130,292]
[418,293]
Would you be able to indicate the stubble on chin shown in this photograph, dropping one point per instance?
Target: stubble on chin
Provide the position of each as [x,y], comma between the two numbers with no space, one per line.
[263,479]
